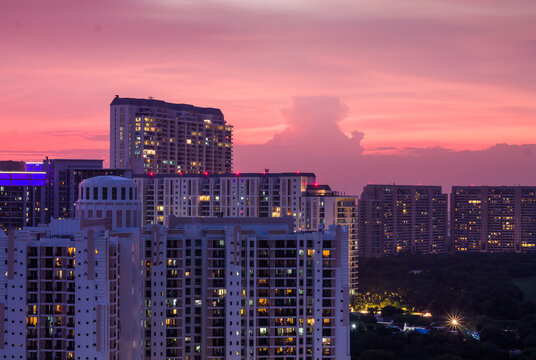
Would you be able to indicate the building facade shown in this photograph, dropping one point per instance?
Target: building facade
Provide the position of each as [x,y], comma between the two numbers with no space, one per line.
[22,197]
[153,136]
[247,195]
[400,219]
[322,207]
[240,288]
[223,195]
[493,218]
[61,297]
[63,177]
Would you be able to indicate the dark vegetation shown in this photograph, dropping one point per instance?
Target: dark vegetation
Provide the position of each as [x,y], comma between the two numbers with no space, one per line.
[492,293]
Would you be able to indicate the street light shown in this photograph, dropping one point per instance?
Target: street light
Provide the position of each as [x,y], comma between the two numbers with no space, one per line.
[454,321]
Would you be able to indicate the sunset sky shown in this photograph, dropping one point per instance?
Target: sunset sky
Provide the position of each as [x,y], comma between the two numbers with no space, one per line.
[361,84]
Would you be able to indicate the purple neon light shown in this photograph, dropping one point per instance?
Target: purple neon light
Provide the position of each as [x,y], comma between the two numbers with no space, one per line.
[20,182]
[34,167]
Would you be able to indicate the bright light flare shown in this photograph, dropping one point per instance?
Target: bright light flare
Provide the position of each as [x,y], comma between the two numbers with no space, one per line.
[454,321]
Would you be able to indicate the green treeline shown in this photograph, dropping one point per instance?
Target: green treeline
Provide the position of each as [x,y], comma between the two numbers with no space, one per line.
[493,293]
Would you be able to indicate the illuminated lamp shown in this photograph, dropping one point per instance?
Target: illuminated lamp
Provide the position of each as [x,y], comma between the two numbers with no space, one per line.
[151,173]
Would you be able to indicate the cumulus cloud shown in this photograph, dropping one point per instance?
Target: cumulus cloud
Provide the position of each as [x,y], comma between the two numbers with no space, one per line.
[313,120]
[313,142]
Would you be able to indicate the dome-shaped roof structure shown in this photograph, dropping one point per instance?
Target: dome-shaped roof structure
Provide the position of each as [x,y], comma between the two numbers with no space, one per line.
[100,181]
[113,198]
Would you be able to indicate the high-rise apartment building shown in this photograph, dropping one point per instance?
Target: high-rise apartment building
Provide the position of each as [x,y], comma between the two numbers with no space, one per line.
[153,136]
[61,297]
[22,196]
[493,218]
[321,207]
[395,219]
[245,288]
[223,195]
[63,177]
[214,288]
[247,195]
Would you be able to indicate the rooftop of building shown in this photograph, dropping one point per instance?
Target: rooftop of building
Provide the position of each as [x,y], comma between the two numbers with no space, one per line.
[383,187]
[160,103]
[108,180]
[235,174]
[498,187]
[317,190]
[10,165]
[402,186]
[76,160]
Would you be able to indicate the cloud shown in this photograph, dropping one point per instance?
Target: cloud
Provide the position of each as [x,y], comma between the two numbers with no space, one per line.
[90,135]
[413,73]
[313,142]
[313,120]
[34,145]
[39,154]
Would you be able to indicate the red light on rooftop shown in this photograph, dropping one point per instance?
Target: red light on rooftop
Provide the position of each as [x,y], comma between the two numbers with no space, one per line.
[206,173]
[237,173]
[316,184]
[151,173]
[297,173]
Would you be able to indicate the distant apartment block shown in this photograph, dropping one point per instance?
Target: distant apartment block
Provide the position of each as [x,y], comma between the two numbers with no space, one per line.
[153,136]
[63,177]
[247,195]
[493,218]
[22,196]
[245,288]
[400,219]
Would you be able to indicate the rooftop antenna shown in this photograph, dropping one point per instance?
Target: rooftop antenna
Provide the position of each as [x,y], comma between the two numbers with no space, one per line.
[151,98]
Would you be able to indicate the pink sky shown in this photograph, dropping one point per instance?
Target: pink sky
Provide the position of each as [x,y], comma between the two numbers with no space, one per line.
[456,74]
